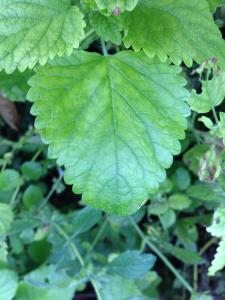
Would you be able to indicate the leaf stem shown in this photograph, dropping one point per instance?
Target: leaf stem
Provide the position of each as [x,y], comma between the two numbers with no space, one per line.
[201,252]
[98,236]
[54,187]
[161,256]
[78,256]
[104,49]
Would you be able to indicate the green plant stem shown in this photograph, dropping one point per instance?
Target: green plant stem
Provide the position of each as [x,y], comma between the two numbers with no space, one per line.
[13,199]
[98,236]
[78,256]
[215,115]
[54,187]
[36,154]
[161,256]
[104,49]
[201,252]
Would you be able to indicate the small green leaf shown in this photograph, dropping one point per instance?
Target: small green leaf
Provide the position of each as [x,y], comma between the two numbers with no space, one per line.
[107,28]
[14,86]
[46,283]
[119,288]
[213,93]
[31,170]
[181,179]
[179,201]
[32,31]
[168,219]
[84,219]
[115,168]
[32,196]
[132,264]
[182,32]
[6,218]
[39,251]
[201,191]
[186,256]
[8,284]
[218,226]
[9,179]
[206,121]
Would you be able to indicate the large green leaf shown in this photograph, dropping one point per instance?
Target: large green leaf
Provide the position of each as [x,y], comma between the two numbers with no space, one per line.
[182,31]
[114,122]
[8,284]
[32,31]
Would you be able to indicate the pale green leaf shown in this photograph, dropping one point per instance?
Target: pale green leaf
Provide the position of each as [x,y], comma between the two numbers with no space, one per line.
[213,4]
[218,226]
[213,93]
[218,262]
[132,264]
[14,86]
[107,28]
[46,283]
[110,5]
[206,121]
[182,31]
[124,116]
[179,201]
[32,31]
[6,218]
[8,284]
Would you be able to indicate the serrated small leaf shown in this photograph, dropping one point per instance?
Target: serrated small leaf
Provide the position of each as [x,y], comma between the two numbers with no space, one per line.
[8,284]
[218,226]
[110,5]
[107,28]
[132,264]
[33,31]
[6,218]
[182,32]
[218,262]
[213,93]
[125,114]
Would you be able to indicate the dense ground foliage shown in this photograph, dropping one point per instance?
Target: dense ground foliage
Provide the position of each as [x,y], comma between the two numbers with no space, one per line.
[104,211]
